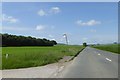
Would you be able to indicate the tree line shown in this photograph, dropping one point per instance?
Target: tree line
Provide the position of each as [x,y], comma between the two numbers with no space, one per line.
[14,40]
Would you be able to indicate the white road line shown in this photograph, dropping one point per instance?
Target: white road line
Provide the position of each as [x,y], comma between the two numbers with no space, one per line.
[108,59]
[55,74]
[99,54]
[61,68]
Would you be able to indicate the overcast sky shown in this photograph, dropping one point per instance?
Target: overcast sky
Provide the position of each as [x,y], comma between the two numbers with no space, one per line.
[82,22]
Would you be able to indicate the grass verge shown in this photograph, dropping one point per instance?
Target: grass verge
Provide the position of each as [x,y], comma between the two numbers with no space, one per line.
[110,47]
[23,57]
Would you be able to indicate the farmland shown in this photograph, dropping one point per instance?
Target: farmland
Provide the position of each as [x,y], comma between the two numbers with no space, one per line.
[109,47]
[23,57]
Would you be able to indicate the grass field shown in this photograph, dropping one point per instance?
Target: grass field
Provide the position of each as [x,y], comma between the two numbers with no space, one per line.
[109,47]
[23,57]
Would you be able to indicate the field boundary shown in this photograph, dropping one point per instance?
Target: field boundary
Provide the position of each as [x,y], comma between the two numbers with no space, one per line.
[108,47]
[106,51]
[77,54]
[23,57]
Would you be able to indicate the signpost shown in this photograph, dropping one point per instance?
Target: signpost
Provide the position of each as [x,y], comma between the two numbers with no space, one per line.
[6,56]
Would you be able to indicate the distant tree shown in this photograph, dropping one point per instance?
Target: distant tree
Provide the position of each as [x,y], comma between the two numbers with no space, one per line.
[54,42]
[98,44]
[0,40]
[13,40]
[115,43]
[84,44]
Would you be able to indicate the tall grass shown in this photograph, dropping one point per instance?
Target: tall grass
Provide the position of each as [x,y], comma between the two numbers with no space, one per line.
[22,57]
[109,47]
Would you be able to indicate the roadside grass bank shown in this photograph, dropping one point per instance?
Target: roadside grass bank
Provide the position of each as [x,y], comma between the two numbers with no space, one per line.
[24,57]
[78,53]
[109,47]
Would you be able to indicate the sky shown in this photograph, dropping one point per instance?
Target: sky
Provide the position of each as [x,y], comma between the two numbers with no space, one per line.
[60,0]
[91,22]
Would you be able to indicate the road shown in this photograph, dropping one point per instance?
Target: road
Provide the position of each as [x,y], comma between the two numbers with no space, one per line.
[32,72]
[92,63]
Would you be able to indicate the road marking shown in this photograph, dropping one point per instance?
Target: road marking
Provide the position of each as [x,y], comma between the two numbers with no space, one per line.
[99,54]
[55,74]
[108,59]
[61,68]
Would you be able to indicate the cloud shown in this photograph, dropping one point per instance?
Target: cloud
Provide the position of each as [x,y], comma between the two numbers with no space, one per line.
[9,19]
[42,13]
[88,23]
[40,27]
[51,36]
[53,39]
[55,10]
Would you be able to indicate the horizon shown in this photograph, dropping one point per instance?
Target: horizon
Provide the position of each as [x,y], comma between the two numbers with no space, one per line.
[86,22]
[64,42]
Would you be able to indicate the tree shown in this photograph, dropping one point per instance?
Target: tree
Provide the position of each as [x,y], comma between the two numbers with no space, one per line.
[54,42]
[13,40]
[84,44]
[115,43]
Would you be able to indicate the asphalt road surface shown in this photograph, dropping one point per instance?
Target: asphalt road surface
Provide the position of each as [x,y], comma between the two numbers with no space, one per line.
[92,63]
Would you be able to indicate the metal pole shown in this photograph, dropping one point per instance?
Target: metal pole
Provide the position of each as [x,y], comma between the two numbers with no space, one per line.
[66,38]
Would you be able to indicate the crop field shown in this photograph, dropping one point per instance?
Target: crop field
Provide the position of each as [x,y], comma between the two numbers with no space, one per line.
[110,47]
[23,57]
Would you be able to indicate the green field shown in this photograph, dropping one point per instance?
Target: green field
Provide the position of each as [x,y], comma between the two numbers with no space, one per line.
[23,57]
[108,47]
